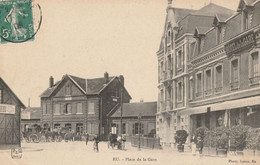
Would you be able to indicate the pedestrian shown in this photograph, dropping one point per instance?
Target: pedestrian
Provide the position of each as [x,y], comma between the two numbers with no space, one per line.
[96,141]
[199,145]
[193,145]
[109,140]
[87,138]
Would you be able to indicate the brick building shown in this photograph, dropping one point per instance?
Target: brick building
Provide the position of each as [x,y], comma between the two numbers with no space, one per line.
[82,104]
[177,44]
[130,120]
[10,117]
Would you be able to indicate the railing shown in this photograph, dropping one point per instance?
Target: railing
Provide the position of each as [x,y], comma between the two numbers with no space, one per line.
[208,92]
[146,142]
[198,94]
[218,89]
[254,80]
[234,85]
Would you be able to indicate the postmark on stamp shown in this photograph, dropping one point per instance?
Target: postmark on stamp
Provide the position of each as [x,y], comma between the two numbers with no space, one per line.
[20,20]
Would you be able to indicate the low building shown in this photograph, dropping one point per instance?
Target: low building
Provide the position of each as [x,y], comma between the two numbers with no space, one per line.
[82,104]
[10,117]
[130,121]
[30,118]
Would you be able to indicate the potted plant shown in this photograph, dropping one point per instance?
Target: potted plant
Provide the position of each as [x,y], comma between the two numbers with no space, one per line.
[201,134]
[180,139]
[220,138]
[253,141]
[238,136]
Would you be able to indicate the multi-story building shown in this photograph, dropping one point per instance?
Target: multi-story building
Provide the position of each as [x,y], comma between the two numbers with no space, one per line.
[10,117]
[224,72]
[174,54]
[82,104]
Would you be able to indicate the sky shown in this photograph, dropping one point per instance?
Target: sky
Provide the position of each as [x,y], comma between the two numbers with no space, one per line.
[87,38]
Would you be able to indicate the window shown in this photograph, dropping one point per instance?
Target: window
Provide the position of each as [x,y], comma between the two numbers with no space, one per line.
[79,128]
[124,128]
[200,44]
[179,91]
[179,59]
[44,108]
[199,85]
[57,126]
[1,95]
[169,59]
[68,126]
[254,68]
[68,109]
[91,128]
[57,109]
[79,108]
[182,127]
[169,37]
[175,128]
[219,35]
[182,120]
[68,90]
[169,96]
[162,69]
[208,82]
[161,99]
[191,89]
[218,78]
[234,74]
[136,129]
[91,108]
[175,120]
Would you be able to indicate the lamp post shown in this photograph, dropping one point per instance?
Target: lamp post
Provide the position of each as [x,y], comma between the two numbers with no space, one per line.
[139,131]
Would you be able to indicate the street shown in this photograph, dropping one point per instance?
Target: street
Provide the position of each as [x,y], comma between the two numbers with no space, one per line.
[77,153]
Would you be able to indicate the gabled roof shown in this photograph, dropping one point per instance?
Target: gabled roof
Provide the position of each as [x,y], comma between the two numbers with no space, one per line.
[246,3]
[35,113]
[201,30]
[10,90]
[87,86]
[134,109]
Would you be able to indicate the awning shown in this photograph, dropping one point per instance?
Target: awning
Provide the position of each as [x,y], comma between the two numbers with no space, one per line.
[239,103]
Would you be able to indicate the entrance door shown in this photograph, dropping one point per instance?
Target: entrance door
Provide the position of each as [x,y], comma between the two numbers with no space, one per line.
[79,128]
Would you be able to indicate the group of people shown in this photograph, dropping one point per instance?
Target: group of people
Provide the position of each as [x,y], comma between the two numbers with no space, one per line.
[196,145]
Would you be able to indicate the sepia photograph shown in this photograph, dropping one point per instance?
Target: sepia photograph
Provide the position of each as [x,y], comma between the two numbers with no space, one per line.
[151,82]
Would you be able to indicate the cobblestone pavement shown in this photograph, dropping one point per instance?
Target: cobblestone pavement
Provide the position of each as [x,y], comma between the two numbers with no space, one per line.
[77,153]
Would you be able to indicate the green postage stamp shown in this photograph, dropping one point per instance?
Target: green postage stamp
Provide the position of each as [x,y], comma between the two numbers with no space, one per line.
[17,21]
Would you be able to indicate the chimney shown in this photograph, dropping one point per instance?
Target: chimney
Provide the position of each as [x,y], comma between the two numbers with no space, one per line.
[51,81]
[169,3]
[122,79]
[106,76]
[29,102]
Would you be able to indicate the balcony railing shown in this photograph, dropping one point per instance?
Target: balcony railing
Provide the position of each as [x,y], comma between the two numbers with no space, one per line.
[218,89]
[208,92]
[198,94]
[234,85]
[254,80]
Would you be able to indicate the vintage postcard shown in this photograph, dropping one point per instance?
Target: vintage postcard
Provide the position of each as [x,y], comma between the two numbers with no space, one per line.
[129,82]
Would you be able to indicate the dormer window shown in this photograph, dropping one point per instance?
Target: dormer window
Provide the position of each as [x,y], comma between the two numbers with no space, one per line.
[245,20]
[219,34]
